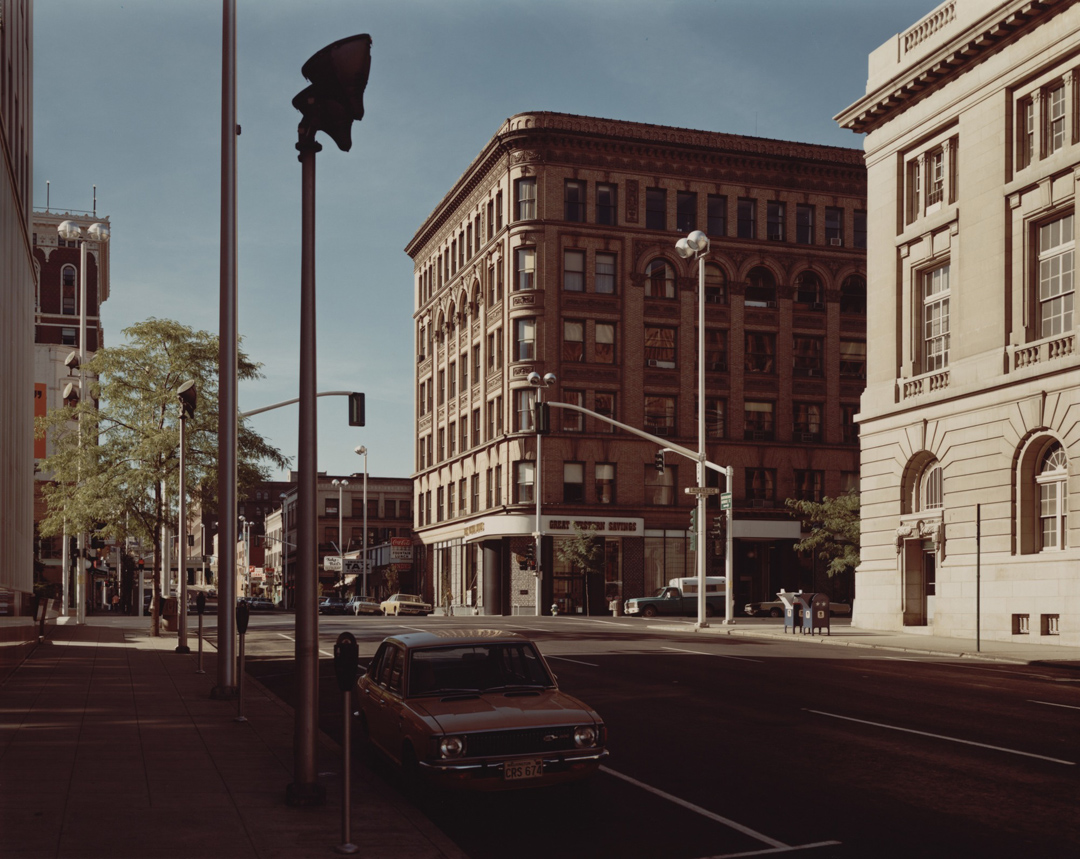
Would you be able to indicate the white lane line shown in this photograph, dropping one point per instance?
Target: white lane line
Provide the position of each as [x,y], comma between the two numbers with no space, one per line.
[719,655]
[575,661]
[738,827]
[774,851]
[943,737]
[1052,704]
[321,652]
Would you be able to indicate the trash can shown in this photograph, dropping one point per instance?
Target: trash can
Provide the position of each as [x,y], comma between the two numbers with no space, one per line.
[169,613]
[817,613]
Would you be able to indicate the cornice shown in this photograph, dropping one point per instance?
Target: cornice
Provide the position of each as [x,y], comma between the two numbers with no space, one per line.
[965,49]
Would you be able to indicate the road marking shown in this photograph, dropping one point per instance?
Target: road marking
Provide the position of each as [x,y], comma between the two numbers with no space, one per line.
[943,737]
[1052,704]
[321,652]
[738,827]
[773,851]
[575,661]
[719,655]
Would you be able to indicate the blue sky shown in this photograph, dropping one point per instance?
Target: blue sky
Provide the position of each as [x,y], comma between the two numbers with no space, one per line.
[127,96]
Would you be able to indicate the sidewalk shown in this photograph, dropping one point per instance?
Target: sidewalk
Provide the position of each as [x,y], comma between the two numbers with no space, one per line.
[110,746]
[844,635]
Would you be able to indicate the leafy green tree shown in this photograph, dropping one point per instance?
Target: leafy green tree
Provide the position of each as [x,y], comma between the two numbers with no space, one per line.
[834,530]
[112,483]
[583,552]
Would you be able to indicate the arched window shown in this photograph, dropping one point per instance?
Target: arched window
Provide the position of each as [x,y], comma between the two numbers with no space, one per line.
[809,291]
[853,295]
[67,279]
[1053,500]
[760,288]
[660,280]
[932,494]
[715,284]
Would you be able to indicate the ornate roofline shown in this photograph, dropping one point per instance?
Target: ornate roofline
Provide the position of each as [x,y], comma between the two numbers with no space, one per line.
[969,46]
[657,141]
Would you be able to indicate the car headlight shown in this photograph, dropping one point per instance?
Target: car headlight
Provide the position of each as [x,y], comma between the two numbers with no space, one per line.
[451,747]
[585,736]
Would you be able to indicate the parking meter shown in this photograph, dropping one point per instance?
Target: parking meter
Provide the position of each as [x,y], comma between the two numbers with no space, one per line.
[200,602]
[346,660]
[242,616]
[200,607]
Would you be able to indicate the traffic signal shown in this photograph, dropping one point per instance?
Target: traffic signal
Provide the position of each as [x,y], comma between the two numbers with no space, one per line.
[543,418]
[356,409]
[338,75]
[659,461]
[693,529]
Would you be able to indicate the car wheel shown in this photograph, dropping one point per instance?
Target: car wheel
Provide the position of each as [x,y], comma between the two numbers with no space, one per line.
[774,612]
[648,611]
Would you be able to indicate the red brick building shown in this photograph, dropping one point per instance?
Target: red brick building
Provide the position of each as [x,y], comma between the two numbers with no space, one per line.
[555,253]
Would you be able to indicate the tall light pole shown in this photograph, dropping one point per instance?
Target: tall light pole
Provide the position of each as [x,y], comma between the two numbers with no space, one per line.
[538,532]
[362,451]
[696,245]
[285,550]
[188,397]
[341,484]
[72,232]
[338,74]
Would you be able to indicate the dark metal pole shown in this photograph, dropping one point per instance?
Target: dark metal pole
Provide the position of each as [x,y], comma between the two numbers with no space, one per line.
[181,545]
[227,367]
[978,577]
[305,789]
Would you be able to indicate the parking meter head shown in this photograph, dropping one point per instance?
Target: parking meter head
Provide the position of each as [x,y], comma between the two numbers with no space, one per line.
[242,617]
[346,659]
[200,602]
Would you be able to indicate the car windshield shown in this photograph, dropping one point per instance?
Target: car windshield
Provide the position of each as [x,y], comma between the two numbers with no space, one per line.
[466,668]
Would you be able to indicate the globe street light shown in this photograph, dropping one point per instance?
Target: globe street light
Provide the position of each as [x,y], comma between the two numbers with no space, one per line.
[72,232]
[695,246]
[362,451]
[340,484]
[539,383]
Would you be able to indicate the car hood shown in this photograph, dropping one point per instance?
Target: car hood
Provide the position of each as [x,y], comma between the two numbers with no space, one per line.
[498,711]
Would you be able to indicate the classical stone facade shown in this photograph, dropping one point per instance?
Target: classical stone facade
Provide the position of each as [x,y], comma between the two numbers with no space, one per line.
[555,253]
[968,426]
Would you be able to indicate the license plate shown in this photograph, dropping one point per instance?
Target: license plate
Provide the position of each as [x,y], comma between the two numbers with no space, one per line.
[523,769]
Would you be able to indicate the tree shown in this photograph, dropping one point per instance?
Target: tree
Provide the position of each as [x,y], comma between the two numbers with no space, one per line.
[834,530]
[113,482]
[583,552]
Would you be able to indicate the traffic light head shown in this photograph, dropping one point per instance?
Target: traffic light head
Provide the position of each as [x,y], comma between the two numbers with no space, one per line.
[338,75]
[659,461]
[356,409]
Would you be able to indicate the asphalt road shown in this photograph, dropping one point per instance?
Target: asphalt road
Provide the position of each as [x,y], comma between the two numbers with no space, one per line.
[724,747]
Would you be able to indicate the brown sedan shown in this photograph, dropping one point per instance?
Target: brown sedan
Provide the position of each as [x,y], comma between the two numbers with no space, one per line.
[478,709]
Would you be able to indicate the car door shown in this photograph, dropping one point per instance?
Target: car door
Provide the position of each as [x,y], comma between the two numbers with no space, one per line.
[385,700]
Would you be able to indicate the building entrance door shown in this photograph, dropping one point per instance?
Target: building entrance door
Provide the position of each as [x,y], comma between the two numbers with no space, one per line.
[920,573]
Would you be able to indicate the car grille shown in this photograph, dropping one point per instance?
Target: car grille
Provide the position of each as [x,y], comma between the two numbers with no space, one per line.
[523,742]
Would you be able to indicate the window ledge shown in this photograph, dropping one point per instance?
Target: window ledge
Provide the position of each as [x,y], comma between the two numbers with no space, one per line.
[928,383]
[1042,352]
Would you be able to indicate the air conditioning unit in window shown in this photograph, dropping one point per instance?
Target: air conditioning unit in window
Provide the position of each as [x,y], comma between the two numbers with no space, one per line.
[836,243]
[667,365]
[819,305]
[807,436]
[770,304]
[758,435]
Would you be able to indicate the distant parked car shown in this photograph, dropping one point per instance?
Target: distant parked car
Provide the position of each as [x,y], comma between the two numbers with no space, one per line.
[775,608]
[362,605]
[260,604]
[332,605]
[405,604]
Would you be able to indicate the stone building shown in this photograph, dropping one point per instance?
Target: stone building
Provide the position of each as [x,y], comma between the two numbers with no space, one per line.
[555,253]
[968,431]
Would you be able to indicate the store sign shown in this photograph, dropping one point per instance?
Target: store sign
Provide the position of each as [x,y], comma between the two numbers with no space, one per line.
[401,549]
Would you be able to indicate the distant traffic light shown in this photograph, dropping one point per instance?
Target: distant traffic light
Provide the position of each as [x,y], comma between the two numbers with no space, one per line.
[659,461]
[693,529]
[356,409]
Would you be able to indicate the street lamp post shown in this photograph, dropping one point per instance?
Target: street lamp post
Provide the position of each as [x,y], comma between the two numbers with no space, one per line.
[285,550]
[362,451]
[696,245]
[341,484]
[188,396]
[72,232]
[338,74]
[539,383]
